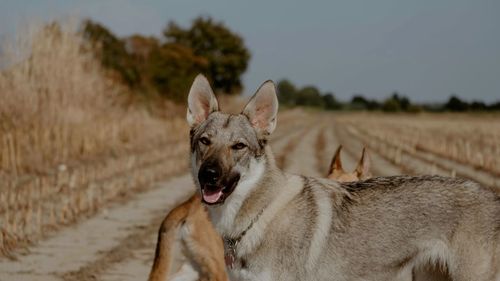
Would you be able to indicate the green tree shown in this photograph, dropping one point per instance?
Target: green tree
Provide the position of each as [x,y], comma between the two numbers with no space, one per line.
[309,96]
[112,52]
[478,106]
[494,106]
[224,50]
[414,108]
[456,104]
[287,93]
[330,102]
[373,105]
[403,102]
[359,99]
[391,105]
[140,47]
[359,102]
[396,102]
[172,68]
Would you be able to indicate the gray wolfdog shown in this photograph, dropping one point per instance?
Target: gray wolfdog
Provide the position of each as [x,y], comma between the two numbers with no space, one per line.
[188,246]
[279,226]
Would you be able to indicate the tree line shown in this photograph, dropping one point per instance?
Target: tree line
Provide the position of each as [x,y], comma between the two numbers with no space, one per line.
[167,65]
[310,96]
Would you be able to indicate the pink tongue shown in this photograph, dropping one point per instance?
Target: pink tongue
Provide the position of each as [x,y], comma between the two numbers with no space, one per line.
[212,197]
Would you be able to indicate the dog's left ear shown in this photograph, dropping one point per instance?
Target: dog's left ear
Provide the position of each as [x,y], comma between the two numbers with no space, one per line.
[363,168]
[201,101]
[262,109]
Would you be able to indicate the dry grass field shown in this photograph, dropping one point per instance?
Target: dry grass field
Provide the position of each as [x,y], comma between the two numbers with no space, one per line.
[466,145]
[85,177]
[469,139]
[68,142]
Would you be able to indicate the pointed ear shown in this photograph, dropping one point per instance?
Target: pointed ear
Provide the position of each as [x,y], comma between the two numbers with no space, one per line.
[201,101]
[363,168]
[336,164]
[262,109]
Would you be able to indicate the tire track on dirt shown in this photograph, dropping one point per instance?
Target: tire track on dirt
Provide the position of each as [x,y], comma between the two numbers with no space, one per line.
[83,251]
[301,159]
[139,240]
[321,145]
[289,144]
[285,141]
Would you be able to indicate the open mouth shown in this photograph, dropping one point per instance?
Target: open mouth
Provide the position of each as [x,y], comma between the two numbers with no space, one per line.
[217,194]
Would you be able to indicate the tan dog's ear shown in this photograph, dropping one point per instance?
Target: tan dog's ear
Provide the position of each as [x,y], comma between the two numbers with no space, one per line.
[363,168]
[201,101]
[336,164]
[262,109]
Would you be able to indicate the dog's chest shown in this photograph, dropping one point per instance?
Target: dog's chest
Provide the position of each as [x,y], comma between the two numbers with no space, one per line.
[248,267]
[240,274]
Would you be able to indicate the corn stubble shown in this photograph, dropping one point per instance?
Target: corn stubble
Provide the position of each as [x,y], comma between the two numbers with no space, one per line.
[68,142]
[472,140]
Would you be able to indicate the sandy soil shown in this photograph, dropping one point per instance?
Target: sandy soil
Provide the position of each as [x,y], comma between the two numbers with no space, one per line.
[119,242]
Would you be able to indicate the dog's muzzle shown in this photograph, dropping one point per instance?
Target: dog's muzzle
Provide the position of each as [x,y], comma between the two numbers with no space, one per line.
[216,187]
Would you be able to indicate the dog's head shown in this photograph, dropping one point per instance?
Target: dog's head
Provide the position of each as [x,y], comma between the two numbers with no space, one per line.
[362,171]
[224,146]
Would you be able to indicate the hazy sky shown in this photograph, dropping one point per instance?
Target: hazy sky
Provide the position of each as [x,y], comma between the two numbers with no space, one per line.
[425,49]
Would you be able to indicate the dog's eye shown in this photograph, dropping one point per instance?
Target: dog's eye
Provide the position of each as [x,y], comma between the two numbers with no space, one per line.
[239,146]
[205,141]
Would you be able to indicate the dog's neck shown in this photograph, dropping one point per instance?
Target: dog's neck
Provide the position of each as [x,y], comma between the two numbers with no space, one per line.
[259,186]
[243,222]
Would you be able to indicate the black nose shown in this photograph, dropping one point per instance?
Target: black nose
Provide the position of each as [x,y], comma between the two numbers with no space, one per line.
[209,175]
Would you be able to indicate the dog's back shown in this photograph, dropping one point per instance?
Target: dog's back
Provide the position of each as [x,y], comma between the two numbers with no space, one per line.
[387,227]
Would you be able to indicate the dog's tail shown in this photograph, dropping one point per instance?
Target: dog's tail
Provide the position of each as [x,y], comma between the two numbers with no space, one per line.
[168,237]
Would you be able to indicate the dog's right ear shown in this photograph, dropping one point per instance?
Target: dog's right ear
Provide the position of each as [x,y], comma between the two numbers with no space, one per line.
[262,109]
[201,101]
[336,164]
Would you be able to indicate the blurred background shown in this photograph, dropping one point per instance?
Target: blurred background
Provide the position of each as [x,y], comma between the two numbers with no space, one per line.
[425,51]
[93,93]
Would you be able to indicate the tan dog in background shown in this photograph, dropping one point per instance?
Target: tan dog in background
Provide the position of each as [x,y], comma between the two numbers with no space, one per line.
[189,248]
[362,171]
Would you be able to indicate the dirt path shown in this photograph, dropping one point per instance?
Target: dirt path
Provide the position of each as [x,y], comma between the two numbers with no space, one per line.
[118,243]
[96,242]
